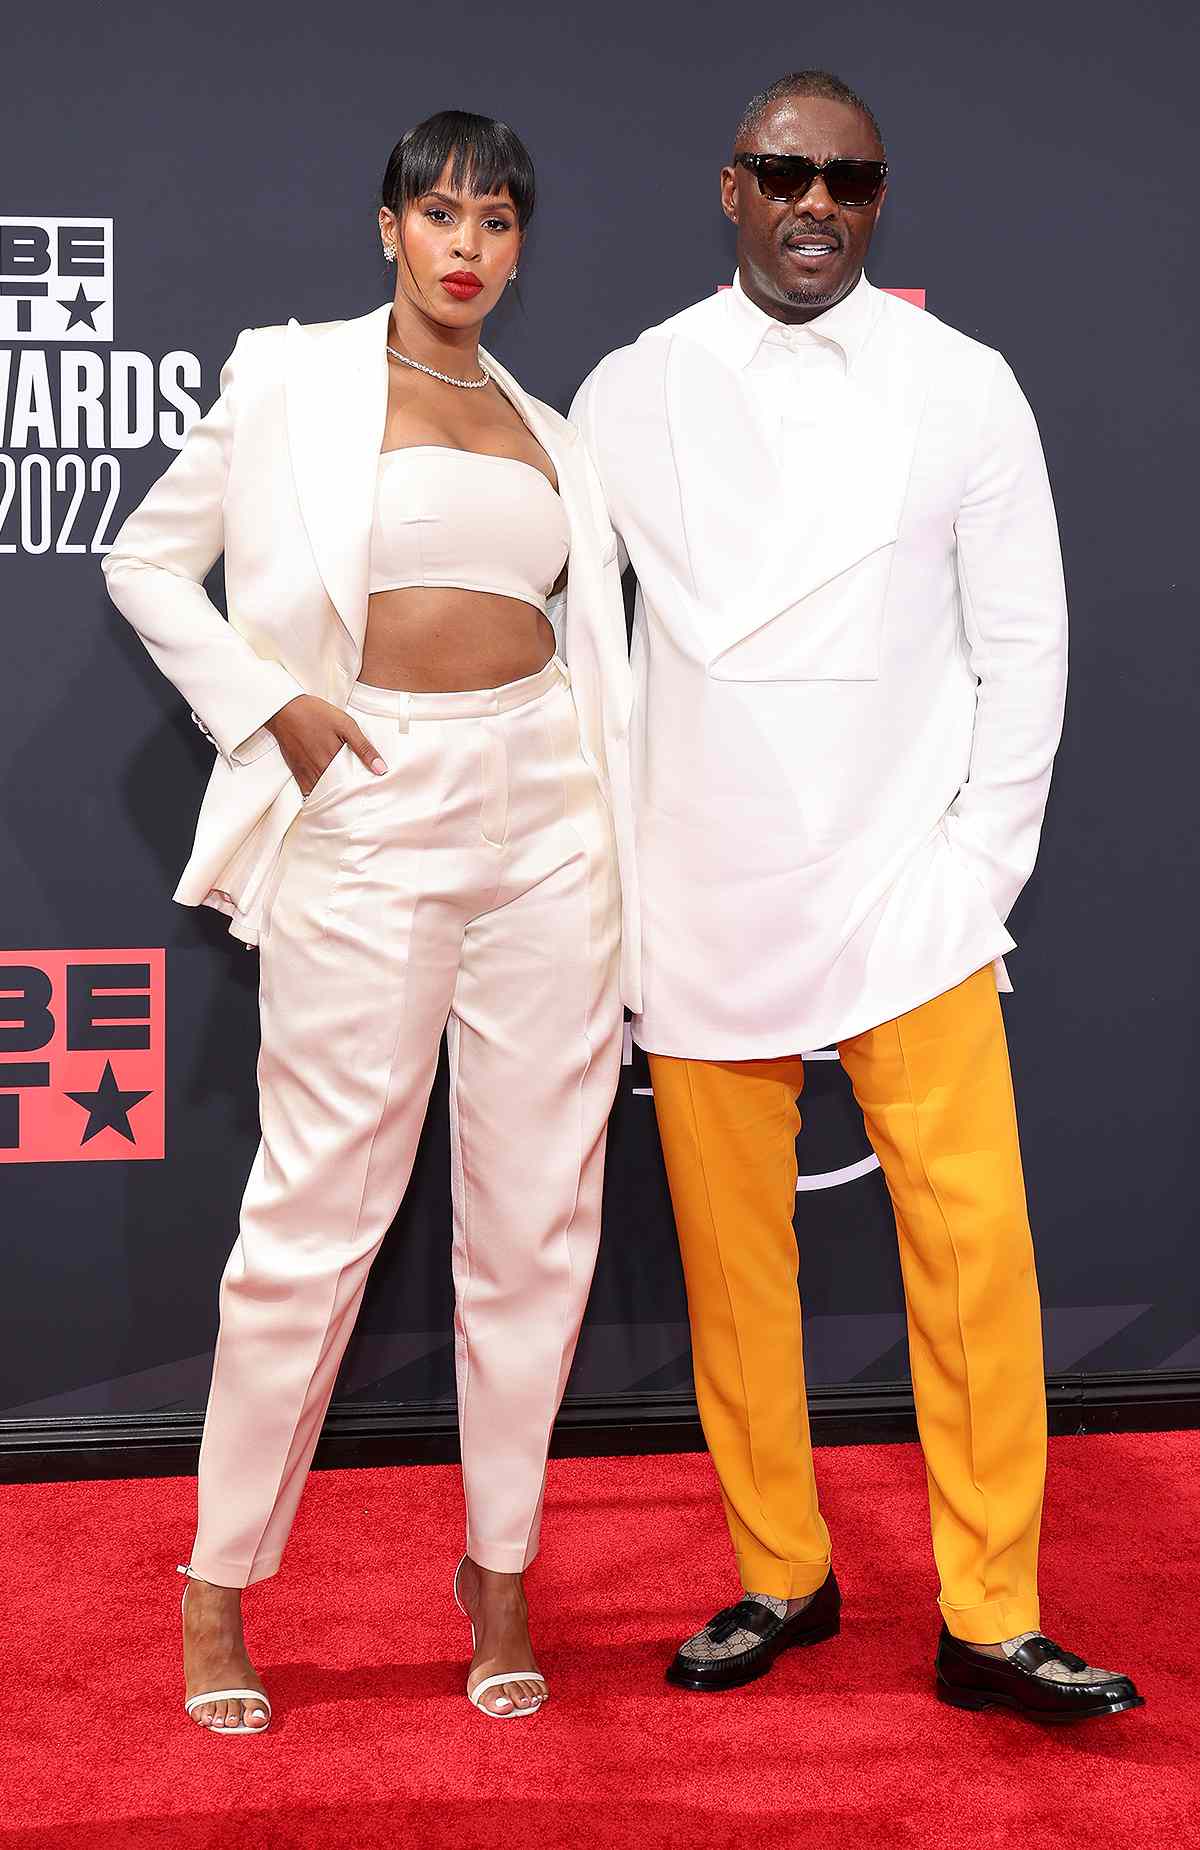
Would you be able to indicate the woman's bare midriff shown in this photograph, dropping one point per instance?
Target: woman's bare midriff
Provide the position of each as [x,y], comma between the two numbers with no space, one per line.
[436,641]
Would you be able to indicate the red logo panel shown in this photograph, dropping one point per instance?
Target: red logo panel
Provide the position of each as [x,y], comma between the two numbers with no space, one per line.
[81,1056]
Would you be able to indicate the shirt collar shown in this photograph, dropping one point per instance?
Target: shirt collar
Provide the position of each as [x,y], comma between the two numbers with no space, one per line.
[846,324]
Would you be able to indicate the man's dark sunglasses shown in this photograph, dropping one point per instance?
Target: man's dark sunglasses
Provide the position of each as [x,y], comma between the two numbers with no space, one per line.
[788,177]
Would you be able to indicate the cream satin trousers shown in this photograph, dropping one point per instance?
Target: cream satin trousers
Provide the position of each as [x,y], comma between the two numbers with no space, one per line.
[471,890]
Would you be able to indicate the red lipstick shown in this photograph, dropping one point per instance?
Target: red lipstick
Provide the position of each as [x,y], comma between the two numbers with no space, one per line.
[462,285]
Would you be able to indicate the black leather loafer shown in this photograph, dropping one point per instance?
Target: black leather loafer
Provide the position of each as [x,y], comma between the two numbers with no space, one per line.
[820,1619]
[970,1680]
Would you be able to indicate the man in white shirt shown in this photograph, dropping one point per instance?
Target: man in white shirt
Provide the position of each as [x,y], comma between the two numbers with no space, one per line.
[850,658]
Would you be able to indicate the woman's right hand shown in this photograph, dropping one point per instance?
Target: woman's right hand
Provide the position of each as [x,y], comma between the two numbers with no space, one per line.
[311,732]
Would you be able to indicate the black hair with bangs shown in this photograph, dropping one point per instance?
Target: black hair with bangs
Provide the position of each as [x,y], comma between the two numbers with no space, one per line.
[487,157]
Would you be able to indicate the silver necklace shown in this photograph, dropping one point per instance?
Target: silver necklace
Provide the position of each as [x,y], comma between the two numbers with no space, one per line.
[468,385]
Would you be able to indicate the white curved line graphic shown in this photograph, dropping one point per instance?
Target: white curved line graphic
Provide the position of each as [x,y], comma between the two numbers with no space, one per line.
[828,1178]
[833,1178]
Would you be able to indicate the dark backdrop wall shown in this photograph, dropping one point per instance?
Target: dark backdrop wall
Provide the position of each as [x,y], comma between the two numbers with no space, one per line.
[170,176]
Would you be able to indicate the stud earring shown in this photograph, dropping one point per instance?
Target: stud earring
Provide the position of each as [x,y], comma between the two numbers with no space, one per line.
[389,252]
[512,276]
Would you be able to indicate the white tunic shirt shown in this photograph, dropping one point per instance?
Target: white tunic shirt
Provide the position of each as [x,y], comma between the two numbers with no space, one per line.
[849,657]
[796,376]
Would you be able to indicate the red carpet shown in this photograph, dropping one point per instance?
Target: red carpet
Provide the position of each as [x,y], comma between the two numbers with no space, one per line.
[374,1744]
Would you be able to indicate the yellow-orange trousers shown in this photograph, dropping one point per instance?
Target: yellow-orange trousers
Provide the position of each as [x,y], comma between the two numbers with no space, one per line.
[936,1094]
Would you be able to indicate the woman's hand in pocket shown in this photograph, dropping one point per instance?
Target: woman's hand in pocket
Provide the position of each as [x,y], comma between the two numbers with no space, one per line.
[311,732]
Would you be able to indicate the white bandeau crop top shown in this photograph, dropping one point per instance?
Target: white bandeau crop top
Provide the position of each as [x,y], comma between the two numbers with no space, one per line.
[466,521]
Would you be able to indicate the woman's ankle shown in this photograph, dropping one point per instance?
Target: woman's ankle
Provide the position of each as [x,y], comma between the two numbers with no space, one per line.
[207,1596]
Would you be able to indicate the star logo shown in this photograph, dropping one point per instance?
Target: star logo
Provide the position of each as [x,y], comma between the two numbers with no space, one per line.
[80,309]
[108,1108]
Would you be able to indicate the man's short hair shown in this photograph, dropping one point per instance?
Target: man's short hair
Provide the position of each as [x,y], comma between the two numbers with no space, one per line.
[803,83]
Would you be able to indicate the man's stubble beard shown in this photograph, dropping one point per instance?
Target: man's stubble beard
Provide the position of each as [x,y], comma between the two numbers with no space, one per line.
[810,298]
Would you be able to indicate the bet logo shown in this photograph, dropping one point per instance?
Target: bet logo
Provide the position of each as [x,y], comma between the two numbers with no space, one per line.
[81,1056]
[56,279]
[71,401]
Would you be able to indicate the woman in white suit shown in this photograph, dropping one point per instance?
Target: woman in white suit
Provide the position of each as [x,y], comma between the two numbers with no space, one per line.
[420,813]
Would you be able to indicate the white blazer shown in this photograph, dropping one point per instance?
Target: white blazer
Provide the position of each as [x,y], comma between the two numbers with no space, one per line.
[849,662]
[280,476]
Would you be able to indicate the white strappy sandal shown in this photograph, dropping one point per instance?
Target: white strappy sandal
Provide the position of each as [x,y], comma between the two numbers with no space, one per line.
[512,1713]
[225,1695]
